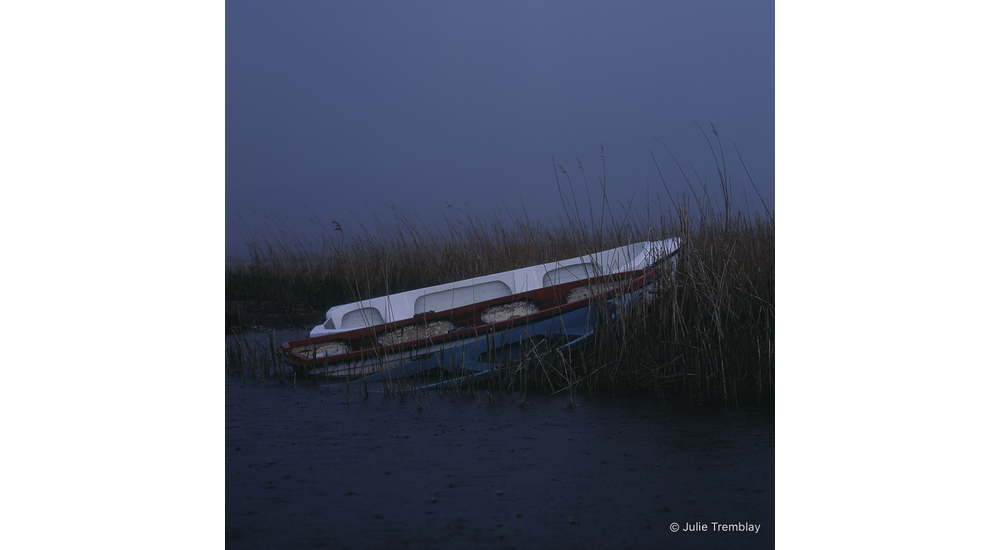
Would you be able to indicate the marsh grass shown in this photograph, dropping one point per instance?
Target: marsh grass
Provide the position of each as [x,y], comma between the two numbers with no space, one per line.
[703,332]
[335,267]
[248,357]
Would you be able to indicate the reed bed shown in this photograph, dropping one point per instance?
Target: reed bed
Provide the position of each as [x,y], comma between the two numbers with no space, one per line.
[329,267]
[703,332]
[249,357]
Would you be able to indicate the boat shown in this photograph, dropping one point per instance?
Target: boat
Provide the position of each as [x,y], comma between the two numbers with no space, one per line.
[469,329]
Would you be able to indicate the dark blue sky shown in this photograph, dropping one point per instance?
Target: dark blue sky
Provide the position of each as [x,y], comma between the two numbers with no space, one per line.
[353,107]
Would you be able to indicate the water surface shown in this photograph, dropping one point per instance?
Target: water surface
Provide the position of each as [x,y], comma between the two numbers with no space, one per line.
[308,467]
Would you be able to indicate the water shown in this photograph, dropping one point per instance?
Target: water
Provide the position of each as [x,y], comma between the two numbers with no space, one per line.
[306,466]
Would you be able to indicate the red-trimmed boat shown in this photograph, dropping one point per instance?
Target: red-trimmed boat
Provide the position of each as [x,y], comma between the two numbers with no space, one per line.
[471,327]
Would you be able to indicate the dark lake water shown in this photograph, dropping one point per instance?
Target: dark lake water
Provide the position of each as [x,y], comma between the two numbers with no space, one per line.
[308,467]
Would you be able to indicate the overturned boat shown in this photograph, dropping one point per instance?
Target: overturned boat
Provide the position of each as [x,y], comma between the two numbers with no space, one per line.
[468,329]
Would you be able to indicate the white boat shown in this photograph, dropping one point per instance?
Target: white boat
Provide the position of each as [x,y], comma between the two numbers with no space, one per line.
[474,324]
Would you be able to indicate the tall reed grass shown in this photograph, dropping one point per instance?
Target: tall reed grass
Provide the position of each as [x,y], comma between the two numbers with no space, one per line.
[330,267]
[704,333]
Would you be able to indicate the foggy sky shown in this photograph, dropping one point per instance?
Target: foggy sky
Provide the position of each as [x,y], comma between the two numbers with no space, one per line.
[353,108]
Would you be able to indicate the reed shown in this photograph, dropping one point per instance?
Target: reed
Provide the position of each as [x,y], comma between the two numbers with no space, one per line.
[703,332]
[362,264]
[253,359]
